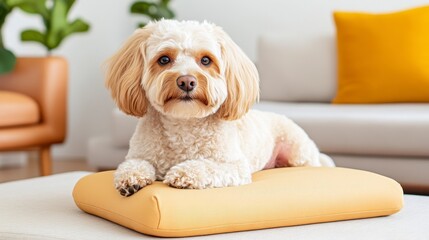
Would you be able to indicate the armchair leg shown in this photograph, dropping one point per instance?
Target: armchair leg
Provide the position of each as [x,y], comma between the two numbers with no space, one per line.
[45,161]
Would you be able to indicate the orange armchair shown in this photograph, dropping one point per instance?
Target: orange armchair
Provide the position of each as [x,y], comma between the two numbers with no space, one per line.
[33,107]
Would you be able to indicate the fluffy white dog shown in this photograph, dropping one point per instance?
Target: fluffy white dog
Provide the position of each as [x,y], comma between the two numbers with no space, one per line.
[192,88]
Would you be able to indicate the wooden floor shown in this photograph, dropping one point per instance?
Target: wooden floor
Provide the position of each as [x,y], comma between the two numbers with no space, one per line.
[31,169]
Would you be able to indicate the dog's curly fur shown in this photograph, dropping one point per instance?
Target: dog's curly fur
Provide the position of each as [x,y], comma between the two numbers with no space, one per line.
[200,135]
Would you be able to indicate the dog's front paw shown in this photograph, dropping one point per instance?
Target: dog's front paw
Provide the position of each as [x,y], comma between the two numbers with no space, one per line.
[180,179]
[133,175]
[129,185]
[190,174]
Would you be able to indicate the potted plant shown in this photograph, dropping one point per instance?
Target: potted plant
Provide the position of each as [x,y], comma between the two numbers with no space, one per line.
[153,10]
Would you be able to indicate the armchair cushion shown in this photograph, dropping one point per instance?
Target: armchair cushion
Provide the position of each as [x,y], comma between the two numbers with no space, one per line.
[17,109]
[43,79]
[277,197]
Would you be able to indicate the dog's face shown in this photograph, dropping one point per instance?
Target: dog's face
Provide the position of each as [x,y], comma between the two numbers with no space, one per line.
[184,73]
[183,70]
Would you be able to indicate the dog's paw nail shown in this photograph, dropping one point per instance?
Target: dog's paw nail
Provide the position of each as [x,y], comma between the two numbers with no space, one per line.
[126,192]
[137,187]
[123,192]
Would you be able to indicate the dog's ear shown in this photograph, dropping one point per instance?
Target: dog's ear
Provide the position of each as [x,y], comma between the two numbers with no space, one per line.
[124,74]
[241,77]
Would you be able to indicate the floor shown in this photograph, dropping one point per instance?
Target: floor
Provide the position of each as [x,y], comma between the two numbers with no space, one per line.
[31,169]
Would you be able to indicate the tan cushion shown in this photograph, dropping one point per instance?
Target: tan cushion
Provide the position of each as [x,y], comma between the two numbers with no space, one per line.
[275,198]
[17,109]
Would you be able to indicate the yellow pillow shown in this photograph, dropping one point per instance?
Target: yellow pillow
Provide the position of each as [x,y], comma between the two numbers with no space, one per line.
[276,198]
[383,58]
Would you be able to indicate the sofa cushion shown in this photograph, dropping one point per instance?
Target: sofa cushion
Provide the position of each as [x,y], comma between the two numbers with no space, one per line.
[17,109]
[383,58]
[297,69]
[383,129]
[276,197]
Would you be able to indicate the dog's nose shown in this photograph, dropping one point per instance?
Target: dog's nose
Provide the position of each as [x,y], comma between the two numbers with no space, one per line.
[187,83]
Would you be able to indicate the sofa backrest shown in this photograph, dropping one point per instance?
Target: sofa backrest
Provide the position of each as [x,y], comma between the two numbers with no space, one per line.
[297,69]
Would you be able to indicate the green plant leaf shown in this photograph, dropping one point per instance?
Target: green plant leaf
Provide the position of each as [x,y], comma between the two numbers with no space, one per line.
[166,13]
[54,18]
[145,8]
[164,3]
[7,60]
[58,23]
[69,4]
[32,35]
[31,6]
[139,7]
[76,26]
[153,10]
[5,9]
[141,25]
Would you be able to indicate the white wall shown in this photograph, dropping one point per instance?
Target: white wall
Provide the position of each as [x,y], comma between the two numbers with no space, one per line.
[245,20]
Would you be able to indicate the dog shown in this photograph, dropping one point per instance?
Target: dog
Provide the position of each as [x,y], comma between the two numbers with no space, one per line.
[192,88]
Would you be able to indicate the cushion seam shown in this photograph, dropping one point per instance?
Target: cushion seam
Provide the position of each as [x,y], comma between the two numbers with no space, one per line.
[240,224]
[159,211]
[276,220]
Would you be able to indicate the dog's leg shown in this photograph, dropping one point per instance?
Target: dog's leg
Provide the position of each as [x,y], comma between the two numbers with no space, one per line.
[295,147]
[132,175]
[292,153]
[326,160]
[203,173]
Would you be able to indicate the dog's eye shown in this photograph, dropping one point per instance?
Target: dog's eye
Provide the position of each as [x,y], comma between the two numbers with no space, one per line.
[206,61]
[163,60]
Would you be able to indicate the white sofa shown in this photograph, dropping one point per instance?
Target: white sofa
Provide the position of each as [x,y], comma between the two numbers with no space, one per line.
[391,139]
[298,79]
